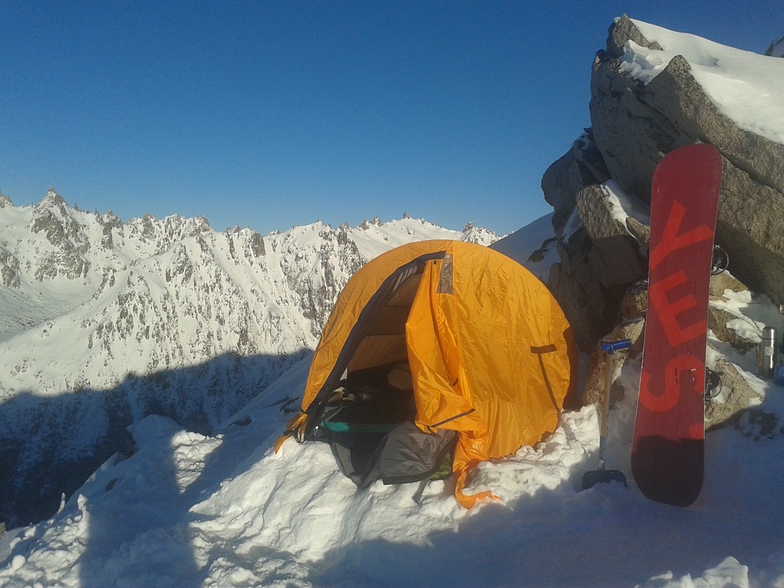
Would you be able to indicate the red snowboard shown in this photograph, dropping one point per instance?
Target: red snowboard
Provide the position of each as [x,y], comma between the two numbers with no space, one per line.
[669,432]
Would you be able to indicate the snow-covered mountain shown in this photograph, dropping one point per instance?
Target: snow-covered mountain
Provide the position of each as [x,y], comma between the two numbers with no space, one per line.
[103,322]
[88,300]
[189,508]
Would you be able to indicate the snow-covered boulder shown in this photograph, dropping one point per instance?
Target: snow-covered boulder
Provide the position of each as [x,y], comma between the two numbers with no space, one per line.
[653,90]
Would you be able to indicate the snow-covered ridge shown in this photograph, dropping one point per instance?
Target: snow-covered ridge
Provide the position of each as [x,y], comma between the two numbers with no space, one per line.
[103,322]
[87,299]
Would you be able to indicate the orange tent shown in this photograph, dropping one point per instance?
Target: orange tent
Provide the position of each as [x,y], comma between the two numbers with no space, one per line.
[489,351]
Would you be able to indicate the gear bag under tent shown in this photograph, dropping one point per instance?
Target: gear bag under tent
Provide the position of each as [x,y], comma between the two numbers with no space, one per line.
[437,355]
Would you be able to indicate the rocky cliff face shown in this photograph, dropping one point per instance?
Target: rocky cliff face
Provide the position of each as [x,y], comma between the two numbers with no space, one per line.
[104,322]
[635,121]
[646,100]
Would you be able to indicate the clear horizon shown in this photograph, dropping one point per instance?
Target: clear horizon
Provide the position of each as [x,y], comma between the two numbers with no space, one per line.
[275,114]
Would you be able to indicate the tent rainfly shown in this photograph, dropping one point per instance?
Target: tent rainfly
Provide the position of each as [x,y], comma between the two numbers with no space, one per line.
[438,355]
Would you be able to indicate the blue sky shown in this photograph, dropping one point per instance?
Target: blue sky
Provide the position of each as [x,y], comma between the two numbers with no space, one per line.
[269,114]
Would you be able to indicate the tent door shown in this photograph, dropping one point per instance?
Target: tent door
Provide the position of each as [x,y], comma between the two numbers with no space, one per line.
[403,455]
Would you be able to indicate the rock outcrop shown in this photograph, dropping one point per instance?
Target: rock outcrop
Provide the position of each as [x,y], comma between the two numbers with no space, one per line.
[633,125]
[603,244]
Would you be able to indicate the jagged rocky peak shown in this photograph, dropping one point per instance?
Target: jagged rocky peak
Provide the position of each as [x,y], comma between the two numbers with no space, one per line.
[637,116]
[343,231]
[366,224]
[652,91]
[109,219]
[623,30]
[52,206]
[67,238]
[145,226]
[326,232]
[110,224]
[52,198]
[201,224]
[472,234]
[257,245]
[246,239]
[5,201]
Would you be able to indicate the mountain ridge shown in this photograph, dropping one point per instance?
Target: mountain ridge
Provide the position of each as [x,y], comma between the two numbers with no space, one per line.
[105,322]
[114,278]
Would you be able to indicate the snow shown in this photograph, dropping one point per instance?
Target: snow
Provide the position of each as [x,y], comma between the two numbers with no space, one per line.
[745,86]
[173,280]
[625,205]
[533,246]
[189,509]
[222,509]
[573,224]
[102,323]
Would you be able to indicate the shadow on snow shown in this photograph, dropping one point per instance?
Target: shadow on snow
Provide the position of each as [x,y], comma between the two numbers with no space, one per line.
[606,536]
[49,445]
